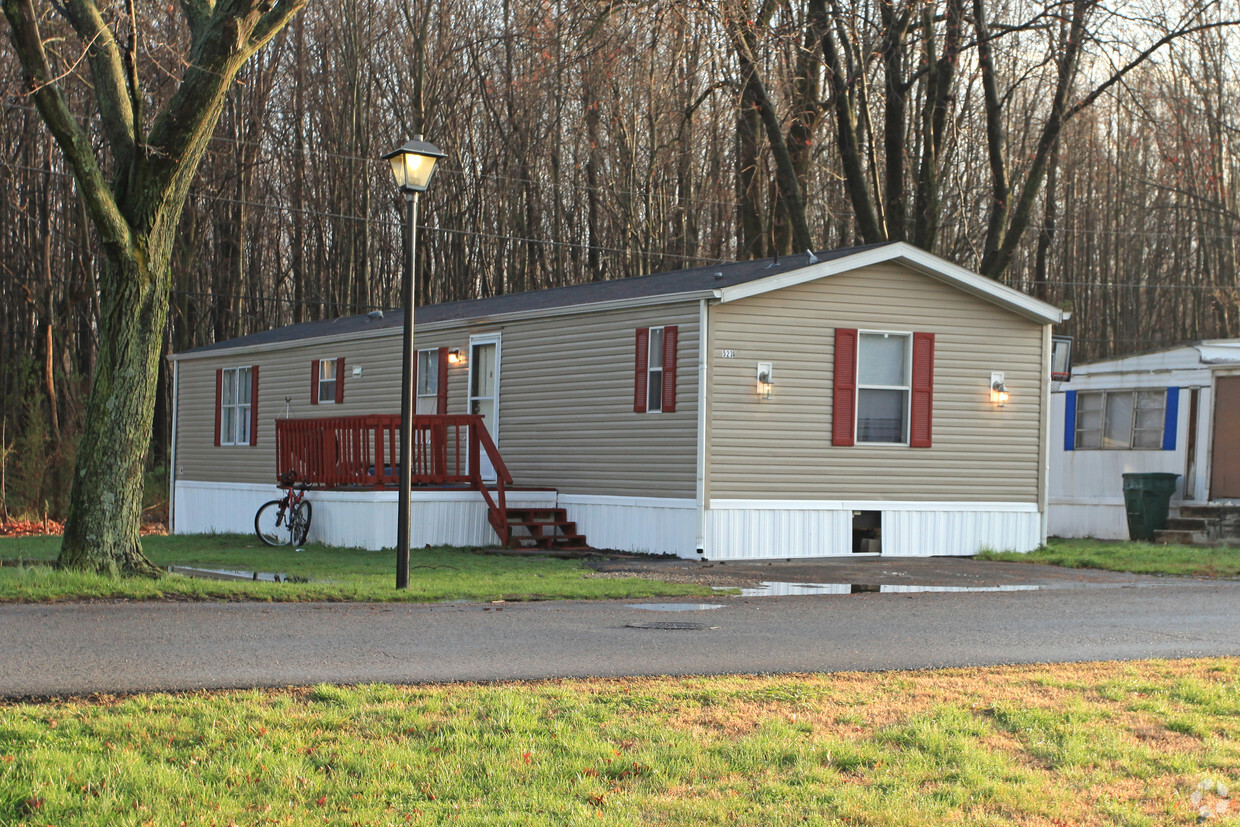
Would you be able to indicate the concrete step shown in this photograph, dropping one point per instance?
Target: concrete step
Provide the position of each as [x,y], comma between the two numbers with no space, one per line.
[1187,524]
[1209,512]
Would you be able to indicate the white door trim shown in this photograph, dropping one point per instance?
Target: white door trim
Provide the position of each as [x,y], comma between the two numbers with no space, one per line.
[492,426]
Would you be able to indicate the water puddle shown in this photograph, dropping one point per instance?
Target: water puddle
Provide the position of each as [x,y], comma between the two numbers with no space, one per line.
[781,589]
[675,607]
[236,574]
[673,626]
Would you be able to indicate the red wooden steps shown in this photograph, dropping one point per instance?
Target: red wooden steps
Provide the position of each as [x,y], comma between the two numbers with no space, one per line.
[547,528]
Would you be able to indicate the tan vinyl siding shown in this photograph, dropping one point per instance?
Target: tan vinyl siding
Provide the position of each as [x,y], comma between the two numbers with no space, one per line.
[566,405]
[566,402]
[781,448]
[282,373]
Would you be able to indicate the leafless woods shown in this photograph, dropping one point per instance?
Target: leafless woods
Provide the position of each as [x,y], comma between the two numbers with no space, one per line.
[1079,150]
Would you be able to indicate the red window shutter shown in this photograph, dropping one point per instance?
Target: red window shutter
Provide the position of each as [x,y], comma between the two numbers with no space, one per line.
[314,382]
[641,368]
[254,404]
[922,403]
[219,402]
[669,368]
[441,392]
[844,403]
[340,380]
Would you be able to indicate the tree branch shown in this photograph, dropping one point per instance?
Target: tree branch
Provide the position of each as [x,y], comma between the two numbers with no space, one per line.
[864,212]
[68,133]
[107,71]
[234,32]
[197,13]
[275,17]
[997,257]
[785,171]
[1145,55]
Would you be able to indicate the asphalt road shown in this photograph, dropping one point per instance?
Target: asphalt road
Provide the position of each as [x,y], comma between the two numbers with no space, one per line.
[48,650]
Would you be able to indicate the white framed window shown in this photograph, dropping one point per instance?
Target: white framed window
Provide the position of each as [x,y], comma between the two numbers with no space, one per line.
[327,381]
[1120,419]
[883,388]
[427,390]
[654,372]
[236,387]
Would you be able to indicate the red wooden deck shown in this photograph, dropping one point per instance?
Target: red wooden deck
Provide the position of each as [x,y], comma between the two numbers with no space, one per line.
[335,452]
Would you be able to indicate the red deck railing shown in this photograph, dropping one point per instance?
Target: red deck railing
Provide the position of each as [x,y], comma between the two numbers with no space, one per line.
[333,452]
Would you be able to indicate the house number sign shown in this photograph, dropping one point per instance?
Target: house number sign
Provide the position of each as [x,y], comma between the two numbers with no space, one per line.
[729,354]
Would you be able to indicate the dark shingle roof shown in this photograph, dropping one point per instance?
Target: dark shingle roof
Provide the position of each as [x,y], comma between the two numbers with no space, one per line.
[672,283]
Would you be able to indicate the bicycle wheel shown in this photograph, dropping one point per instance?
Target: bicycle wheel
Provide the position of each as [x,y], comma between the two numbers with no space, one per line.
[271,526]
[300,522]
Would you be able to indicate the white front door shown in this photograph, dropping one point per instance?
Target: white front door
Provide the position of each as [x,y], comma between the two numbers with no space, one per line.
[484,390]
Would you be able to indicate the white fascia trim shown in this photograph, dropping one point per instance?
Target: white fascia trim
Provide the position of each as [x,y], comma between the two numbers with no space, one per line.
[463,322]
[868,505]
[628,502]
[1088,501]
[918,259]
[699,499]
[1186,376]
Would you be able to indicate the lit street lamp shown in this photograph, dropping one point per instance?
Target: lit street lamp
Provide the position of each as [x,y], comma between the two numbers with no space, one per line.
[412,166]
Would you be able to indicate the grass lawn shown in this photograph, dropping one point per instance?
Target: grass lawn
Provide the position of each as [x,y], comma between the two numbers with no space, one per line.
[1081,744]
[334,574]
[1138,558]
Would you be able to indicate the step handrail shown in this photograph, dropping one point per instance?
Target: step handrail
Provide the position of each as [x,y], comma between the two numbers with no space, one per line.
[497,512]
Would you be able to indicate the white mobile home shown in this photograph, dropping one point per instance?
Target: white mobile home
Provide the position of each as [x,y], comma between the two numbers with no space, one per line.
[1175,410]
[794,408]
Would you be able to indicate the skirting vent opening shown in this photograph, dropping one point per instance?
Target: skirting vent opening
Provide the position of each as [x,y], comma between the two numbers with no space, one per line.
[867,532]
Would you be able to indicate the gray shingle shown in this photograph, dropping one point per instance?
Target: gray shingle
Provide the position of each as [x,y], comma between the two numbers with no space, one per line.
[639,287]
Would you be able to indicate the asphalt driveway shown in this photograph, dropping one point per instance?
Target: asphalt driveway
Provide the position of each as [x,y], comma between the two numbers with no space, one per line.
[1043,614]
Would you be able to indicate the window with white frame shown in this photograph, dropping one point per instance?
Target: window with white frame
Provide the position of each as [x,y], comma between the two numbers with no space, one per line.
[327,380]
[235,401]
[654,372]
[427,390]
[1120,419]
[883,387]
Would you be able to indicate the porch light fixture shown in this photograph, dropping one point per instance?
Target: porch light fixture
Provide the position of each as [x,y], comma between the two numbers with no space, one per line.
[412,166]
[764,380]
[998,391]
[454,356]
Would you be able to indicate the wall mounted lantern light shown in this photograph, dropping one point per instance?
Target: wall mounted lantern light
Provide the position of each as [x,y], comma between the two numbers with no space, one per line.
[764,380]
[454,356]
[998,390]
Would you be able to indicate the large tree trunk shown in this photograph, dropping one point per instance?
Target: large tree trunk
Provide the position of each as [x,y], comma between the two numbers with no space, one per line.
[105,507]
[135,210]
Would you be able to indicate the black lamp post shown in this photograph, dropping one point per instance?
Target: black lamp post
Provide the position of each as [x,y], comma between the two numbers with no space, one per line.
[412,166]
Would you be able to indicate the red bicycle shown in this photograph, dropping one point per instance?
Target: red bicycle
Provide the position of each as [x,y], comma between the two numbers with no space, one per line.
[285,521]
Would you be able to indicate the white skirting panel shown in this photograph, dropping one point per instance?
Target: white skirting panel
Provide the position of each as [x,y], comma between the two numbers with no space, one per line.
[652,525]
[761,529]
[349,519]
[737,532]
[944,532]
[218,507]
[1105,519]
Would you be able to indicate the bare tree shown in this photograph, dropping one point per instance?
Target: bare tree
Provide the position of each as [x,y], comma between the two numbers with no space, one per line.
[134,202]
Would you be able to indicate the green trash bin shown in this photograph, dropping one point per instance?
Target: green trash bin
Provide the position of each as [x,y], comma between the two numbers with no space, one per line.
[1147,498]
